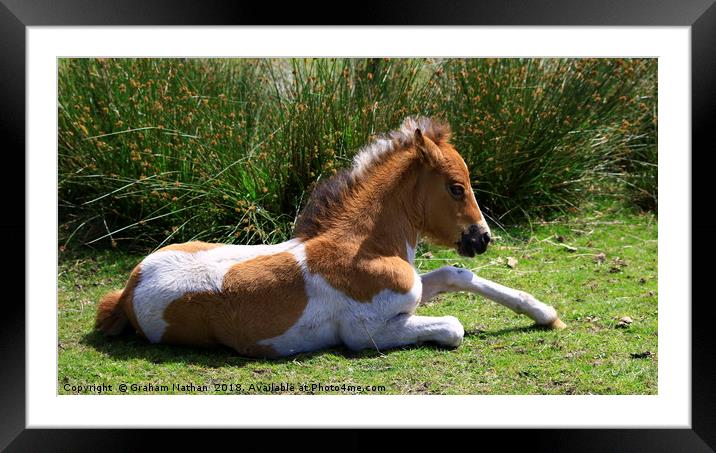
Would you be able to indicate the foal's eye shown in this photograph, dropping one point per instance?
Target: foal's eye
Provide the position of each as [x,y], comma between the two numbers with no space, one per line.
[457,191]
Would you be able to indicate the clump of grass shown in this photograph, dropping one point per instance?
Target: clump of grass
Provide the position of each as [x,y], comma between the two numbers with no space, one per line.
[637,145]
[641,167]
[153,151]
[533,129]
[159,150]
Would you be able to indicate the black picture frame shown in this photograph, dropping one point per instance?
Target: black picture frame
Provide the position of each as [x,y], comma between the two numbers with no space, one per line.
[700,15]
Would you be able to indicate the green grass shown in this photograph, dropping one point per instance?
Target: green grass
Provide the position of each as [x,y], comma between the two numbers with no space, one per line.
[154,150]
[502,352]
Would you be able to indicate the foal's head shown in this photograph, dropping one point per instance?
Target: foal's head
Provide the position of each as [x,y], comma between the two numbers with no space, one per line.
[451,214]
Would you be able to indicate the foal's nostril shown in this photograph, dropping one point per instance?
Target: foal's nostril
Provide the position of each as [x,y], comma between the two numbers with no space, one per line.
[486,238]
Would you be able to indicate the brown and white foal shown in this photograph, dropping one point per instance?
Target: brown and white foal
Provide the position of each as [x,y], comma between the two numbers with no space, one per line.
[347,276]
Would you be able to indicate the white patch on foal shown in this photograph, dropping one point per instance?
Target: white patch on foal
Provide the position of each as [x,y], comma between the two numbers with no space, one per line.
[331,317]
[165,276]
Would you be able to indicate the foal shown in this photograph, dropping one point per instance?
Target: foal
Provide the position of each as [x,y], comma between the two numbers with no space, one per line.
[347,276]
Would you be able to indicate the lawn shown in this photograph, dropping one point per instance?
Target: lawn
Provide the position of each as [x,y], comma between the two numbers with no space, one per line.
[595,266]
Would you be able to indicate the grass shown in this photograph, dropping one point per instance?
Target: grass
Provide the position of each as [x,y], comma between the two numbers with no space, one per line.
[558,261]
[166,150]
[539,134]
[638,153]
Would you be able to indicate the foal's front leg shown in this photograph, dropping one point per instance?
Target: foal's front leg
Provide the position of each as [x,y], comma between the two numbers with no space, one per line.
[449,278]
[402,330]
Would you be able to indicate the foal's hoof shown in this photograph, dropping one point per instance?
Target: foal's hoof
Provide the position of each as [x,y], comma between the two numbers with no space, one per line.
[557,324]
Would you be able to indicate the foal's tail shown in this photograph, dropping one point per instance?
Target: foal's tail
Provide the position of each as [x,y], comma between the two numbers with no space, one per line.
[111,318]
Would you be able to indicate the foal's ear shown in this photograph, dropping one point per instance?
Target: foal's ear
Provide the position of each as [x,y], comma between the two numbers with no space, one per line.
[427,149]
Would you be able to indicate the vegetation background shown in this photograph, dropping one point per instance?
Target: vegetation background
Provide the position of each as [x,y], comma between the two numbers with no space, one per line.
[160,150]
[563,155]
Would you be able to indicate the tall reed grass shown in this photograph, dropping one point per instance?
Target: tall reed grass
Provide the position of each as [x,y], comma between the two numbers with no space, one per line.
[535,129]
[637,144]
[153,151]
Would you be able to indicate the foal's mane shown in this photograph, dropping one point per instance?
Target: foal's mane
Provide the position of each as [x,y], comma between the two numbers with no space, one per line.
[328,196]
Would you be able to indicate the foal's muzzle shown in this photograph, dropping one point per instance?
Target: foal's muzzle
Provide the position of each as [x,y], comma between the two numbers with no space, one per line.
[472,242]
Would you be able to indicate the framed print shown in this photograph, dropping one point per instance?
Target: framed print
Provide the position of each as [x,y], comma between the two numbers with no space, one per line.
[308,202]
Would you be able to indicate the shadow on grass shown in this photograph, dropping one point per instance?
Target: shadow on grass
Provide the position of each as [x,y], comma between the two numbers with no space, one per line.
[479,333]
[129,346]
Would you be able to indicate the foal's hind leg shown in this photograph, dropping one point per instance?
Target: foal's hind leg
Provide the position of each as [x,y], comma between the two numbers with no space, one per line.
[448,279]
[404,329]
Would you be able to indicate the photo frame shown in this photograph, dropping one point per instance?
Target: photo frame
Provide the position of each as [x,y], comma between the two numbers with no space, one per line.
[700,16]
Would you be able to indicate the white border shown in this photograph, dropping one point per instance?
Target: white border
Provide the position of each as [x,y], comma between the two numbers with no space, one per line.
[670,408]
